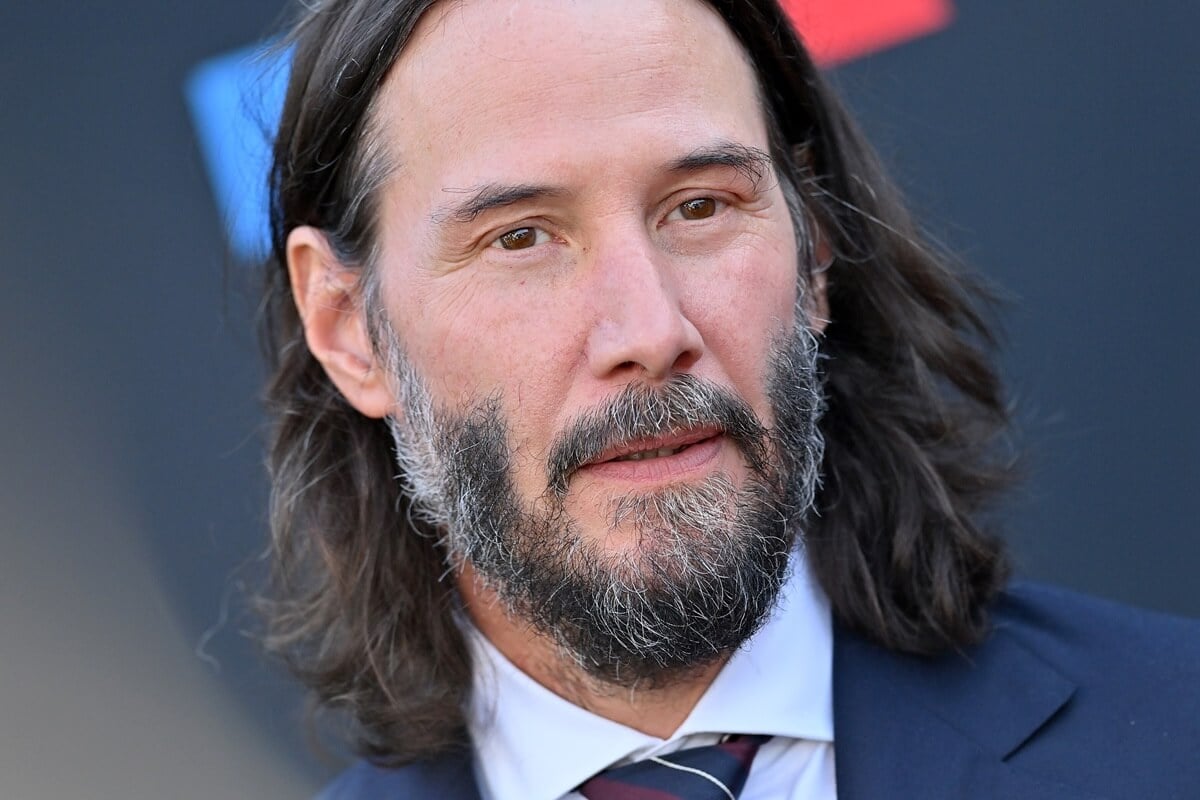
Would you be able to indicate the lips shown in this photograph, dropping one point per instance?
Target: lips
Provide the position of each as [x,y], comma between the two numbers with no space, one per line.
[654,447]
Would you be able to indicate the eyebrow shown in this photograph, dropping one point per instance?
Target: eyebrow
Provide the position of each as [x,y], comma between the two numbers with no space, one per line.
[488,197]
[753,163]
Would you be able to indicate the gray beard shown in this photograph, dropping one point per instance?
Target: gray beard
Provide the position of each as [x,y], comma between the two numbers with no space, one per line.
[709,559]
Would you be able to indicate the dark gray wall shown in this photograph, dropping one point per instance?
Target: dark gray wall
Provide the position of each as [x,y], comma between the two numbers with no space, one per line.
[1053,145]
[1049,143]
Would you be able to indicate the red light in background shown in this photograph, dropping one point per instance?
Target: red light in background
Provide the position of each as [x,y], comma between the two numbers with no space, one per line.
[840,30]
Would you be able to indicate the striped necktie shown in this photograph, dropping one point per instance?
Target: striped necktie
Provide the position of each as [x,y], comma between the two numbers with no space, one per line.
[713,772]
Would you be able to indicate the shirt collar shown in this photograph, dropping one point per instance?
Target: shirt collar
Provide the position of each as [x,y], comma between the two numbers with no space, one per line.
[532,744]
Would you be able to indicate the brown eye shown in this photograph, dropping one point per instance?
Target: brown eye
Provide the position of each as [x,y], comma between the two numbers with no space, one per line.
[518,239]
[700,208]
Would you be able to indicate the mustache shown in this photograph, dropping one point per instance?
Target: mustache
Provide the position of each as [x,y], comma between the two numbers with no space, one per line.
[640,411]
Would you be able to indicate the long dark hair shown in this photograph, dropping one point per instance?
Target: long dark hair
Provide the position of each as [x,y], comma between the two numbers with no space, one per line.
[359,606]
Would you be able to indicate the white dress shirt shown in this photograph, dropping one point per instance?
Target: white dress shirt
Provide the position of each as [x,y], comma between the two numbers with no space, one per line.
[531,744]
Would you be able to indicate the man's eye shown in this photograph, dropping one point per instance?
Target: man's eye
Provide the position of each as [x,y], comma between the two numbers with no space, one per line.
[519,238]
[699,208]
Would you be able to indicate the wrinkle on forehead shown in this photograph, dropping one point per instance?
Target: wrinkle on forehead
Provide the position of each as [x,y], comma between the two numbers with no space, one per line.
[472,42]
[498,27]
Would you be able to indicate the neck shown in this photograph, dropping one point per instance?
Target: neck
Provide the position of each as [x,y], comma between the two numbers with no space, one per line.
[656,709]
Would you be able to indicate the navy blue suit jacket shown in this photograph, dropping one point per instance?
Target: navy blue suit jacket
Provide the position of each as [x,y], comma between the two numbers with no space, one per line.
[1069,697]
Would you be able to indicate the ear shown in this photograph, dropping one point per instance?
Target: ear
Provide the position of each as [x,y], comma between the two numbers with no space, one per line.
[335,328]
[816,301]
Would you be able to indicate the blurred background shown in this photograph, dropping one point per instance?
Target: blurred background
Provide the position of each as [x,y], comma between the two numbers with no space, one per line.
[1051,144]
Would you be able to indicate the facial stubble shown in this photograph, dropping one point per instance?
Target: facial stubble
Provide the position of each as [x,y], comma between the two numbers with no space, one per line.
[707,560]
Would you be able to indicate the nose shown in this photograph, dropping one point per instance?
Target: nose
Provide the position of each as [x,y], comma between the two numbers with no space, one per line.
[640,325]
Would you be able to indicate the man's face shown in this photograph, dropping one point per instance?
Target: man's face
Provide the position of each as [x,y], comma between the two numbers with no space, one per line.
[590,273]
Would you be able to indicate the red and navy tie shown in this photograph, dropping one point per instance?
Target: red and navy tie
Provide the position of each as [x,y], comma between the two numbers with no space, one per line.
[713,772]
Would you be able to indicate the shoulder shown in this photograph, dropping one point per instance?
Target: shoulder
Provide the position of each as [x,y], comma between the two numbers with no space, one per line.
[1066,688]
[1088,638]
[1136,676]
[448,778]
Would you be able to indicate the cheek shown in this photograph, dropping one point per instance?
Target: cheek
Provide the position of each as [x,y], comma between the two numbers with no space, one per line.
[440,324]
[746,306]
[475,340]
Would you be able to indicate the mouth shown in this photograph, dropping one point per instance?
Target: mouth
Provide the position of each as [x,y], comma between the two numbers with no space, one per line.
[655,447]
[642,455]
[670,456]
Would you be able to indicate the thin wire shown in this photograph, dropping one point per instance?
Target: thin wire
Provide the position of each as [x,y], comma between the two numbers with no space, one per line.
[694,771]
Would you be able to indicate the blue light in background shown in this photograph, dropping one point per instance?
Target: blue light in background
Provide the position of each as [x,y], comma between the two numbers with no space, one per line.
[235,101]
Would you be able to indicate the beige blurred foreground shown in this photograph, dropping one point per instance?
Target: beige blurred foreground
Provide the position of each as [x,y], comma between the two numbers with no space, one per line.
[100,695]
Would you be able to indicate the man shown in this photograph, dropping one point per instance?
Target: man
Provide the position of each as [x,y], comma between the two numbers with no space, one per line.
[627,434]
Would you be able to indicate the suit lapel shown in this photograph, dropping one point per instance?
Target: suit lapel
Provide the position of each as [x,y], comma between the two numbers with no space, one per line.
[941,727]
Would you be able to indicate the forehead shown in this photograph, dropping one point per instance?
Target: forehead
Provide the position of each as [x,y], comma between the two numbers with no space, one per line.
[490,84]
